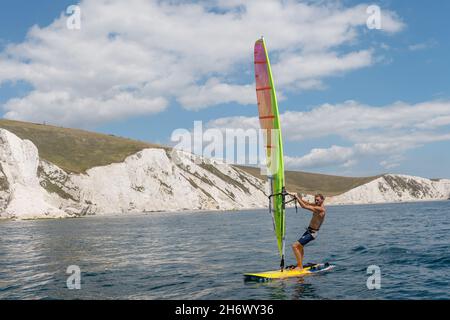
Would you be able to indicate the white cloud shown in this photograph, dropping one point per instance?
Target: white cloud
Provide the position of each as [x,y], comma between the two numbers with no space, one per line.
[371,132]
[391,22]
[423,45]
[356,122]
[299,71]
[317,158]
[392,161]
[216,92]
[152,52]
[234,123]
[62,107]
[350,156]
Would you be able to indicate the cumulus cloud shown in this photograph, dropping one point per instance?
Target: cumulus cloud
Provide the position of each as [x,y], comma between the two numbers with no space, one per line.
[386,132]
[356,121]
[216,92]
[423,45]
[306,71]
[132,57]
[62,107]
[318,158]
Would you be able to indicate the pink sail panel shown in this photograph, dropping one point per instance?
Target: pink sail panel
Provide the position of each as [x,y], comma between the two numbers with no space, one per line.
[264,94]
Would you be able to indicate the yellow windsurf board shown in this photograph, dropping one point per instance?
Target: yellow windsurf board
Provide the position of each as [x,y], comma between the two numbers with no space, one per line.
[287,273]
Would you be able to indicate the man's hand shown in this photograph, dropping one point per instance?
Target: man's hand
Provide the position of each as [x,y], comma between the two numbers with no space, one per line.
[293,194]
[304,204]
[298,198]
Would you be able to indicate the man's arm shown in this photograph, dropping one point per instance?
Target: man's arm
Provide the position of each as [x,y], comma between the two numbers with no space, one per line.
[309,203]
[295,195]
[306,205]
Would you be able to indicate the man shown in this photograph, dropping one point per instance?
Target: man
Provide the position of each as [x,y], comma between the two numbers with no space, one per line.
[318,215]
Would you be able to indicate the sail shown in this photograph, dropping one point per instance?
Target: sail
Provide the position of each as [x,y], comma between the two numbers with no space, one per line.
[270,124]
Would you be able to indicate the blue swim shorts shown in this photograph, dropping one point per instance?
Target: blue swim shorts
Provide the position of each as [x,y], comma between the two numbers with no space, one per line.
[307,237]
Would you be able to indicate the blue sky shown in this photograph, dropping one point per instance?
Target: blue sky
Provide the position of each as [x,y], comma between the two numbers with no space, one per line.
[173,65]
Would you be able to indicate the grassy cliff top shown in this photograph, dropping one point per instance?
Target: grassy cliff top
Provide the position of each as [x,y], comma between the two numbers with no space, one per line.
[75,150]
[312,183]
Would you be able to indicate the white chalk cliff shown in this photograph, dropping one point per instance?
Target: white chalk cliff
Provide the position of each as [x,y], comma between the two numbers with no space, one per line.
[150,180]
[20,192]
[159,180]
[395,188]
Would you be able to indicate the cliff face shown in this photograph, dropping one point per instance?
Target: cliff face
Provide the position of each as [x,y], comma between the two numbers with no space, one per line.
[150,180]
[20,191]
[159,180]
[395,188]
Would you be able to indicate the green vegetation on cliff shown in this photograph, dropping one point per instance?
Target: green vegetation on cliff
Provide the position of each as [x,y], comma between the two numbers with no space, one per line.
[312,183]
[75,150]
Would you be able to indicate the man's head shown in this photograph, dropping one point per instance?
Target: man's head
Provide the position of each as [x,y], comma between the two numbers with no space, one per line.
[319,199]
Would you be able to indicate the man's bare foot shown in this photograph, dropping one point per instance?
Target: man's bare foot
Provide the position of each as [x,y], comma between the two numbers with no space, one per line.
[298,269]
[291,267]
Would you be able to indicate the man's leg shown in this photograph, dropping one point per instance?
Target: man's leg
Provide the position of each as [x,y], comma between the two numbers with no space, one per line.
[298,252]
[302,252]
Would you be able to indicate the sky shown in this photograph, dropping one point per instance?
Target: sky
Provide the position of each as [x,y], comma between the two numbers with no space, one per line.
[354,100]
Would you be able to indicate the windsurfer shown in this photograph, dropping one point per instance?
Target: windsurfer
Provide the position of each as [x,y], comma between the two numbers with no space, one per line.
[318,215]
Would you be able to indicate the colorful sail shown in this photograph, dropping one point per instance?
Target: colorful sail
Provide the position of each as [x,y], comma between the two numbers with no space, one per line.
[270,124]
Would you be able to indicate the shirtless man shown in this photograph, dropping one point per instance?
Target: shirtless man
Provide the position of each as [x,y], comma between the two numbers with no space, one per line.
[318,212]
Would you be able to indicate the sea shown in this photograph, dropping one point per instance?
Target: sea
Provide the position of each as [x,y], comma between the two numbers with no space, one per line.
[383,252]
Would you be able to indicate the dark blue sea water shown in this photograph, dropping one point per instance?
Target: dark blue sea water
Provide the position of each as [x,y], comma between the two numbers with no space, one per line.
[203,255]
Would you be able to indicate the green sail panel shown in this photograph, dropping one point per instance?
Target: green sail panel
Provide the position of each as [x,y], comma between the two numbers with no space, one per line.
[269,118]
